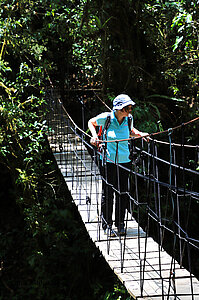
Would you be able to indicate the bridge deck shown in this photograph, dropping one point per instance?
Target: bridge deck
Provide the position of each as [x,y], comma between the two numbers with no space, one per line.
[137,260]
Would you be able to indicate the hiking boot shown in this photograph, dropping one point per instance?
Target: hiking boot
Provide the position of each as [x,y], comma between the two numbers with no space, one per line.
[110,232]
[121,230]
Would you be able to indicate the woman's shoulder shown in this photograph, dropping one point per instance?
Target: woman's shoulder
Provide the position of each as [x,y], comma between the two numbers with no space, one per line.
[103,115]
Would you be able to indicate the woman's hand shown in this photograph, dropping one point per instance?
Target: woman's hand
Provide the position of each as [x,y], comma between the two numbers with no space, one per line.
[94,141]
[145,136]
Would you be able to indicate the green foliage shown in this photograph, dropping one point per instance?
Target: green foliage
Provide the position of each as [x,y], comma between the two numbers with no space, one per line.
[44,250]
[151,48]
[175,37]
[146,117]
[22,126]
[119,294]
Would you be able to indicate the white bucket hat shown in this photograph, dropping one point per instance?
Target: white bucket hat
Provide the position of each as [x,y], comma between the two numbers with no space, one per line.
[121,101]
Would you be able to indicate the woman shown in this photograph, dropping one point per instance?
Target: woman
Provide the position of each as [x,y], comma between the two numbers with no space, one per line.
[114,173]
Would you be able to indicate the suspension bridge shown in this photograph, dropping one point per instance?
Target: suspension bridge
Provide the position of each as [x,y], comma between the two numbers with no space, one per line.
[158,255]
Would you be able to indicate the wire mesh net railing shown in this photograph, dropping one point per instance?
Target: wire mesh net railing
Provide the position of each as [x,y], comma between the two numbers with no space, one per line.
[162,193]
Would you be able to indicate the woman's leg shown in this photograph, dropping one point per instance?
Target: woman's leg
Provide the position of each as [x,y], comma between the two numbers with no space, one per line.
[107,173]
[122,187]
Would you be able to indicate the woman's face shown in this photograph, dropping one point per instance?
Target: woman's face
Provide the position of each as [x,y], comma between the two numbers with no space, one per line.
[128,109]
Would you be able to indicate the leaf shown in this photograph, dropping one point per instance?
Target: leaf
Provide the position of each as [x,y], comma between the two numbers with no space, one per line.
[98,22]
[107,21]
[8,90]
[178,40]
[189,18]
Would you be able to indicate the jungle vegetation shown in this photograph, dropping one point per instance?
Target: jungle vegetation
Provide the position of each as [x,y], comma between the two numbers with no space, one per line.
[148,49]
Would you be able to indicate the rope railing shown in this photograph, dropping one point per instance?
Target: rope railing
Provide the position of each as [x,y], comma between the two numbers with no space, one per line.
[163,193]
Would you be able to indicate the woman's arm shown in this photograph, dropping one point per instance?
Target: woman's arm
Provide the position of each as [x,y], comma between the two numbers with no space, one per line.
[92,124]
[136,133]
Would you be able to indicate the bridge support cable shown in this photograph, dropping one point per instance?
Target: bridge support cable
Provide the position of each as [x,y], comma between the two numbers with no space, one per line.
[162,195]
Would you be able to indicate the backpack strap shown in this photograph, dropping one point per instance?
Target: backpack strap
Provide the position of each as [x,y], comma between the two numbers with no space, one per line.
[106,126]
[107,123]
[130,119]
